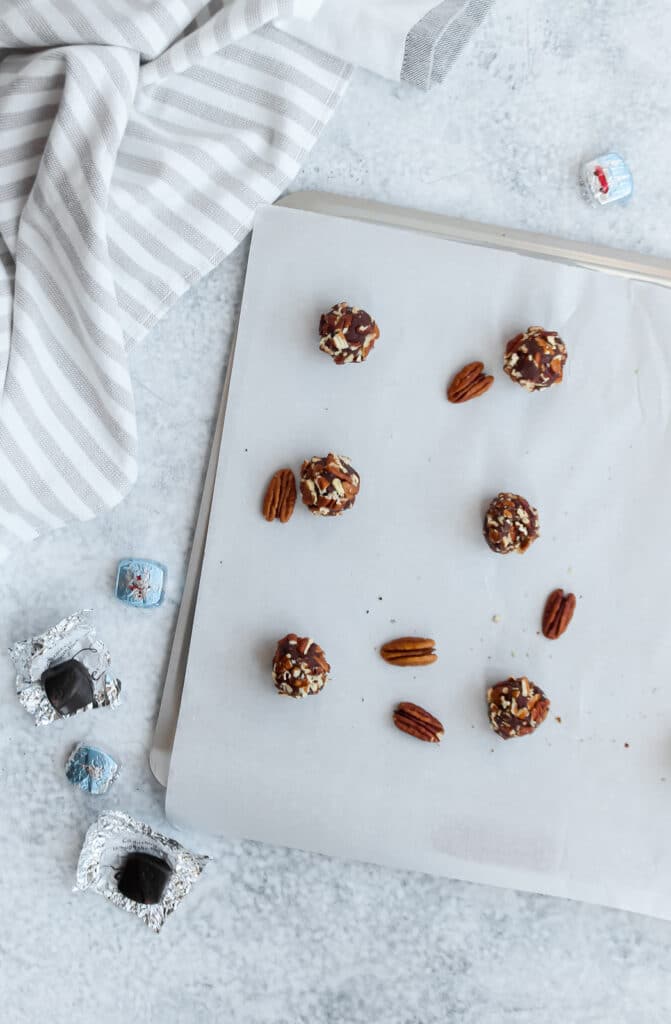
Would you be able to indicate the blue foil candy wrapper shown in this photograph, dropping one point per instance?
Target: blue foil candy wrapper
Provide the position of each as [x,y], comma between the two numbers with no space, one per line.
[606,179]
[91,769]
[140,582]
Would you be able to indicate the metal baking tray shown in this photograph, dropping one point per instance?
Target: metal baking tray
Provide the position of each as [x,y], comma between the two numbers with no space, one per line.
[604,259]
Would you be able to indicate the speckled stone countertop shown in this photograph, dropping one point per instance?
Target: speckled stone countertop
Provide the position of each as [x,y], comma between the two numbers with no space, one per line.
[273,936]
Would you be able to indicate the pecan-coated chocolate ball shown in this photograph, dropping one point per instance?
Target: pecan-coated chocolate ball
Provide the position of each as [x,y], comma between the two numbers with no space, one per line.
[347,333]
[516,707]
[300,668]
[329,484]
[535,359]
[511,524]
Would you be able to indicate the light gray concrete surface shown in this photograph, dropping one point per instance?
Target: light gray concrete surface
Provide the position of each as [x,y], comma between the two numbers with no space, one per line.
[273,936]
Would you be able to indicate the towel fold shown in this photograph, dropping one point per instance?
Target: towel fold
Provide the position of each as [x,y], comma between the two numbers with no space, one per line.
[416,41]
[136,141]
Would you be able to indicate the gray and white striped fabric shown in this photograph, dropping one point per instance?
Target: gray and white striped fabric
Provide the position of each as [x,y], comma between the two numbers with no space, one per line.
[433,44]
[136,140]
[415,41]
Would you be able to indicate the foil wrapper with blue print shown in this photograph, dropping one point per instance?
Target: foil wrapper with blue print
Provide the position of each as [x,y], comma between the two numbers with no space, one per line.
[91,769]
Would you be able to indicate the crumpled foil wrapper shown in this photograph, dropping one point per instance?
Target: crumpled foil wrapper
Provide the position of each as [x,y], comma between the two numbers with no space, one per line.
[72,637]
[106,845]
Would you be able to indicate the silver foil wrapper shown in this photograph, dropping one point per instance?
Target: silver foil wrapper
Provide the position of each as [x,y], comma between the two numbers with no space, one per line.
[73,637]
[107,844]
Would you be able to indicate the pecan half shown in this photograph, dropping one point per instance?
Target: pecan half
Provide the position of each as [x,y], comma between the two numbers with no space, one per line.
[409,650]
[559,609]
[417,722]
[469,383]
[280,497]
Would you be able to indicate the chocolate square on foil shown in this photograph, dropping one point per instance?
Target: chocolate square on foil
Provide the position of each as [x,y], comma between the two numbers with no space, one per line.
[127,862]
[64,671]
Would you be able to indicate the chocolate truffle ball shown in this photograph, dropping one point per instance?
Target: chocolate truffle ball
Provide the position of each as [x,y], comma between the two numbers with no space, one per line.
[511,524]
[535,359]
[329,485]
[347,333]
[300,668]
[516,707]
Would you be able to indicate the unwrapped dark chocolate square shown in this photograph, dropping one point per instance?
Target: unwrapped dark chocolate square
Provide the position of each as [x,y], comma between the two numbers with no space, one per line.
[68,686]
[143,877]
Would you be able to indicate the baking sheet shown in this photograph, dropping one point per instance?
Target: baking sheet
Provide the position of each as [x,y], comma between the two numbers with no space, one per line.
[606,259]
[570,810]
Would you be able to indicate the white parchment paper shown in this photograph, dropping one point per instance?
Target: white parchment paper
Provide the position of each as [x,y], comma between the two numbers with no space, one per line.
[580,808]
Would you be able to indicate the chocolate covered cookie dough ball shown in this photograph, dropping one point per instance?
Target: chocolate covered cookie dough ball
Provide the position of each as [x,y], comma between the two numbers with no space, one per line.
[300,668]
[511,524]
[347,333]
[516,707]
[535,359]
[329,485]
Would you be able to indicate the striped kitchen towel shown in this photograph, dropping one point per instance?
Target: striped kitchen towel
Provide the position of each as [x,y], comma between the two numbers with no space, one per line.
[137,137]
